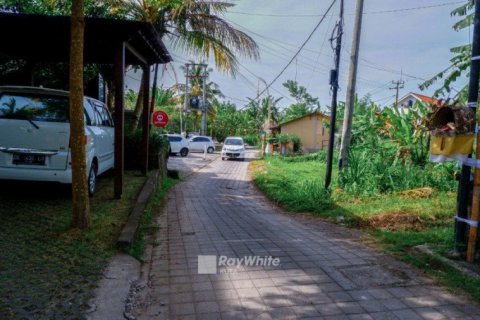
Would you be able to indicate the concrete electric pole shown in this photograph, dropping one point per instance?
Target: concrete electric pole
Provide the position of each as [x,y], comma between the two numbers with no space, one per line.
[334,86]
[397,86]
[197,70]
[352,80]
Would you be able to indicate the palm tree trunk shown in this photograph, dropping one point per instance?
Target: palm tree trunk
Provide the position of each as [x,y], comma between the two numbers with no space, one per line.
[80,201]
[137,113]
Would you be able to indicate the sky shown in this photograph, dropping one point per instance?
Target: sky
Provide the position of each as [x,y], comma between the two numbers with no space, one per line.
[405,40]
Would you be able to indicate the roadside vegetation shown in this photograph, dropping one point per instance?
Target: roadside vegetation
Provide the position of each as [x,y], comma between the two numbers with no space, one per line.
[147,226]
[47,269]
[389,188]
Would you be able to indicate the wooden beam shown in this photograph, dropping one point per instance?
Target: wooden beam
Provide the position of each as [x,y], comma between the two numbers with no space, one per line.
[119,79]
[137,54]
[145,118]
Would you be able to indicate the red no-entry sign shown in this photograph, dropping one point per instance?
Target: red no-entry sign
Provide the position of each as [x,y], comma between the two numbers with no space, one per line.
[160,119]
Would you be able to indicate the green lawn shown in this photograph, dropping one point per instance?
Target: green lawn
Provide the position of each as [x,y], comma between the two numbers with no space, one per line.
[48,270]
[399,221]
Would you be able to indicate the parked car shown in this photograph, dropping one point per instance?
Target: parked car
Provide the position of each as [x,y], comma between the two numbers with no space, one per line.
[198,143]
[233,148]
[35,136]
[178,144]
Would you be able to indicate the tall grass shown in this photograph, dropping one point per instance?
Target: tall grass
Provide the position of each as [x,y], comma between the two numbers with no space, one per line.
[379,171]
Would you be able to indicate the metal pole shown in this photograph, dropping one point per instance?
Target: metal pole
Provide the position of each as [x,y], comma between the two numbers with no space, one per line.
[352,80]
[464,184]
[334,85]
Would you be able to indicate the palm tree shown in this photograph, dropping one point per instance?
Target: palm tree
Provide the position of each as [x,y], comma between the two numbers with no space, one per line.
[80,201]
[193,26]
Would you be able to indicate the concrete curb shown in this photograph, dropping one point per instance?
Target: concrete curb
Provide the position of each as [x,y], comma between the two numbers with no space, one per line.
[461,267]
[128,232]
[113,289]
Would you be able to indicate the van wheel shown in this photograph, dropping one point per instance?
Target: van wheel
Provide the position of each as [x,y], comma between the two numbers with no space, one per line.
[210,150]
[184,152]
[92,179]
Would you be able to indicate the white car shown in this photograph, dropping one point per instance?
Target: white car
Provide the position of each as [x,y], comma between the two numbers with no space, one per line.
[35,136]
[178,144]
[233,148]
[199,143]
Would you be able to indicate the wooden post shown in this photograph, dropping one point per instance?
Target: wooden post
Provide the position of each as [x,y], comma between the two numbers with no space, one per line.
[145,118]
[119,75]
[474,217]
[464,186]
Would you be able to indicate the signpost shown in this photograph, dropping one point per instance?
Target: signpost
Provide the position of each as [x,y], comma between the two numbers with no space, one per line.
[159,119]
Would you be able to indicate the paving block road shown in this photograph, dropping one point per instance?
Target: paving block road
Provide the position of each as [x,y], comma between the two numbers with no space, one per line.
[324,271]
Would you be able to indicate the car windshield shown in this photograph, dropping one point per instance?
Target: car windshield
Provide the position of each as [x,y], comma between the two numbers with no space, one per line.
[35,107]
[174,139]
[233,142]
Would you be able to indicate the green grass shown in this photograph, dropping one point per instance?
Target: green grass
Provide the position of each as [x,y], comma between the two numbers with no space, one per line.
[146,226]
[299,187]
[48,270]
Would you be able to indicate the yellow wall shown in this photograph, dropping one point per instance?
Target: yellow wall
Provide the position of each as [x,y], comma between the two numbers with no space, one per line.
[310,130]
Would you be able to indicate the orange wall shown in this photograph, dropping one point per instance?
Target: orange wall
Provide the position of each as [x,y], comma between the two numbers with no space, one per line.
[310,130]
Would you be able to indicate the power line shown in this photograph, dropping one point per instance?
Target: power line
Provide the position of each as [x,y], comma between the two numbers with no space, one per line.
[300,49]
[384,98]
[282,44]
[371,12]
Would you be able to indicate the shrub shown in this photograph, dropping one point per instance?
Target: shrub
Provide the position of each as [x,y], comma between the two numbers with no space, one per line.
[157,152]
[252,140]
[283,138]
[297,143]
[320,156]
[377,171]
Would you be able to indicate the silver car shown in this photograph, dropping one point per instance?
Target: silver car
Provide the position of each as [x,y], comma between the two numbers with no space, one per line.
[35,136]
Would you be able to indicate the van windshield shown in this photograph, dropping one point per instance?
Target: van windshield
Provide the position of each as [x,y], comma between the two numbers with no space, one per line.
[36,107]
[233,142]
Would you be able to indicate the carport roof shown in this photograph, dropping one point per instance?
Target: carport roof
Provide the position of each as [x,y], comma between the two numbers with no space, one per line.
[47,39]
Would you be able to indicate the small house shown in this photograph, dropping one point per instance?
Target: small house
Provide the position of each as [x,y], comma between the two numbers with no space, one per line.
[310,129]
[410,99]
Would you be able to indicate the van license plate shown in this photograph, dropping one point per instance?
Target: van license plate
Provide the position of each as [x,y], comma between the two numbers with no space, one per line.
[29,159]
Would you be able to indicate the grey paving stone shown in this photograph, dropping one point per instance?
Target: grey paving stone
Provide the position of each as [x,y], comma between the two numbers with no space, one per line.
[325,273]
[207,307]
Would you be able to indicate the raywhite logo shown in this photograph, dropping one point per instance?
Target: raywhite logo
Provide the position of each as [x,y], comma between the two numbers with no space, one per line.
[209,264]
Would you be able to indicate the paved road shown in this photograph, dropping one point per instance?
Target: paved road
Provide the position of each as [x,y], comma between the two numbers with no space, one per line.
[325,271]
[191,163]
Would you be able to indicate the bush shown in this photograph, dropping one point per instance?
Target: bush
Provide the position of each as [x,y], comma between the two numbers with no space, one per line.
[320,156]
[283,138]
[157,152]
[297,143]
[252,140]
[377,171]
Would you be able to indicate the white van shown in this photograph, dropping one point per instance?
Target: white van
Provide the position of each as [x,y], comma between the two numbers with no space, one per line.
[35,136]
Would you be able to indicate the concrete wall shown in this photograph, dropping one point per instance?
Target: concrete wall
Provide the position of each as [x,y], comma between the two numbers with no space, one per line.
[310,130]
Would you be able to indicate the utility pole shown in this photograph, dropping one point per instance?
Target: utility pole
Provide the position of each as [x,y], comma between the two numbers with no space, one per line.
[334,86]
[352,81]
[193,71]
[464,184]
[204,96]
[185,107]
[397,86]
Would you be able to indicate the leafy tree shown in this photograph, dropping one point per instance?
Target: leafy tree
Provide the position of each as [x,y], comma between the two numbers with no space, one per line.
[195,26]
[305,103]
[460,63]
[227,121]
